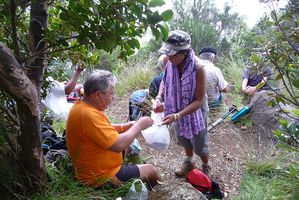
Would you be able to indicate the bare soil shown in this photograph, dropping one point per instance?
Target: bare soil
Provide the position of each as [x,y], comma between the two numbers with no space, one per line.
[231,146]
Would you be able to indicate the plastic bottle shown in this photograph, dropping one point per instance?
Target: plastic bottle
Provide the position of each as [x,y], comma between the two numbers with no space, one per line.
[244,111]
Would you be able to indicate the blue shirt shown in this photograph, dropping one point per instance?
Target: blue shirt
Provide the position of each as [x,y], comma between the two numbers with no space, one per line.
[155,85]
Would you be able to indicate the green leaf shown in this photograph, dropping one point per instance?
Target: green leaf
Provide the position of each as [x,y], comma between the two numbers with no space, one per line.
[295,112]
[164,32]
[155,18]
[134,43]
[279,99]
[255,58]
[273,14]
[167,15]
[293,128]
[278,77]
[154,3]
[155,32]
[295,82]
[271,103]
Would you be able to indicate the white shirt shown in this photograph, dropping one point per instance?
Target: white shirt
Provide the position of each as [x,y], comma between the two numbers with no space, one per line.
[56,100]
[215,81]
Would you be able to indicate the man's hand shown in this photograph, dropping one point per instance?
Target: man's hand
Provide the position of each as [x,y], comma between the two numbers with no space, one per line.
[144,122]
[250,90]
[130,124]
[80,67]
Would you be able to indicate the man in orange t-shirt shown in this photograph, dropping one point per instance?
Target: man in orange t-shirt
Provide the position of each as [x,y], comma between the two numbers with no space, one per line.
[95,145]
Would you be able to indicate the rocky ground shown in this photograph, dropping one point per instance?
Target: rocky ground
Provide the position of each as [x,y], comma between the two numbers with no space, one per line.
[231,145]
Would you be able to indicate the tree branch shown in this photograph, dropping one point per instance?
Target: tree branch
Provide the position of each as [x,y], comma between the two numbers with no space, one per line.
[23,2]
[19,40]
[13,7]
[10,115]
[51,52]
[282,78]
[116,11]
[286,37]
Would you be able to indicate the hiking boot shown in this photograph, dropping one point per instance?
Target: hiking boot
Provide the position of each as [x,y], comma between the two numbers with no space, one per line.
[186,167]
[206,169]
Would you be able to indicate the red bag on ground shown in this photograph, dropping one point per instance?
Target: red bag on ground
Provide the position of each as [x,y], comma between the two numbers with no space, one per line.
[199,180]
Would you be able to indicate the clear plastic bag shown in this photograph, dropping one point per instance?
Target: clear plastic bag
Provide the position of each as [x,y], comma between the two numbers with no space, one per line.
[157,136]
[135,147]
[137,193]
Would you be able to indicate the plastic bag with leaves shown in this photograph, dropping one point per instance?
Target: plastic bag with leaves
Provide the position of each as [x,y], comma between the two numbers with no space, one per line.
[138,191]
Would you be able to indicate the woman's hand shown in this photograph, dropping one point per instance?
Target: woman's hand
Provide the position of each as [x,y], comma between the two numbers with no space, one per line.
[158,105]
[168,119]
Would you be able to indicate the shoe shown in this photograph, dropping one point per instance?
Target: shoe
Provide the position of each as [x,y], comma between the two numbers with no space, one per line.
[206,169]
[186,167]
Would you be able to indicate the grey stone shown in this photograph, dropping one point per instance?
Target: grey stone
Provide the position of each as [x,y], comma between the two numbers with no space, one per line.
[265,116]
[176,191]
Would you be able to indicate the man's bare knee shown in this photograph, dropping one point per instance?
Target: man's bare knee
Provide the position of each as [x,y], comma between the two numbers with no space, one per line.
[149,173]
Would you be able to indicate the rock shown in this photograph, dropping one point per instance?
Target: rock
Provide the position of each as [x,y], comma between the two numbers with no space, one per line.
[261,114]
[176,191]
[265,116]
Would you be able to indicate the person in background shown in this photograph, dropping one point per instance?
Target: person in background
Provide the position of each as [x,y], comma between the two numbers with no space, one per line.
[95,145]
[71,85]
[252,78]
[216,84]
[155,83]
[56,99]
[139,104]
[183,90]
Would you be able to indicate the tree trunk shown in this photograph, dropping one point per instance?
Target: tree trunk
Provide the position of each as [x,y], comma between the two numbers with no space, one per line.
[15,82]
[38,22]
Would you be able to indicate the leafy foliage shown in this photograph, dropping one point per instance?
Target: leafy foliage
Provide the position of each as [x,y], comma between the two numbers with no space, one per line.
[61,32]
[280,44]
[274,178]
[206,24]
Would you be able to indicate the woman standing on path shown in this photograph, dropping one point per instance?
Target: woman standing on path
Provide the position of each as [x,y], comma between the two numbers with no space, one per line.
[184,94]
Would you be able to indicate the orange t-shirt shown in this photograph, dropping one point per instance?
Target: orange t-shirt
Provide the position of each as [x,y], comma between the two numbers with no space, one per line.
[89,134]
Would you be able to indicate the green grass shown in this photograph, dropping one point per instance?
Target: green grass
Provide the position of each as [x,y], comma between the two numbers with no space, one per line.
[59,126]
[275,178]
[232,72]
[136,76]
[63,185]
[246,121]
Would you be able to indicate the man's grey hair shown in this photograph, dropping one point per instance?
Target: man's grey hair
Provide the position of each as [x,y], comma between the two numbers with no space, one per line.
[161,63]
[207,56]
[98,81]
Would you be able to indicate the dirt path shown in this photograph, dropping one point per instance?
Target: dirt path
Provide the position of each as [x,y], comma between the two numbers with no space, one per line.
[230,147]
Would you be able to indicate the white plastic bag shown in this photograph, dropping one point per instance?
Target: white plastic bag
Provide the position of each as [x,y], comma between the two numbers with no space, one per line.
[157,136]
[56,101]
[135,194]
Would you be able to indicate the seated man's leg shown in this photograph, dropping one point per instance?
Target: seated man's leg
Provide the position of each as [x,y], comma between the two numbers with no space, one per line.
[146,172]
[127,172]
[149,173]
[217,102]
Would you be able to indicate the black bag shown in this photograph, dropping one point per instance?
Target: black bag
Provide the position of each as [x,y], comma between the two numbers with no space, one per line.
[50,139]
